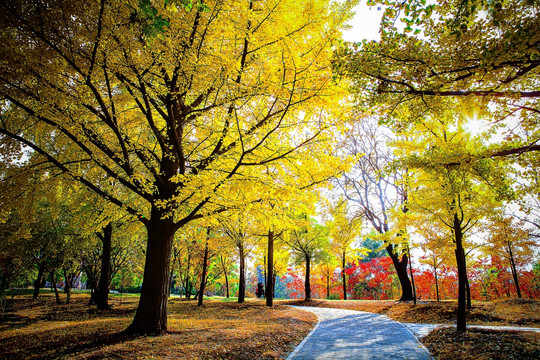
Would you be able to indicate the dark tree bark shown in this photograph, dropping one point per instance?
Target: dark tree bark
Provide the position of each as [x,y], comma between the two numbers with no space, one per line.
[151,316]
[242,280]
[343,278]
[102,290]
[269,291]
[39,279]
[401,270]
[462,275]
[307,282]
[225,273]
[514,270]
[68,279]
[468,290]
[54,287]
[412,276]
[327,286]
[436,284]
[204,265]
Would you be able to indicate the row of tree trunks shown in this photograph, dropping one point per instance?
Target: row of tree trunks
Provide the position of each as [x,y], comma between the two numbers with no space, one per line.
[269,293]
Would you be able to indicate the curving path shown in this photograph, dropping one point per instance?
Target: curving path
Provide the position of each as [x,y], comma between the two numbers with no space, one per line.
[350,334]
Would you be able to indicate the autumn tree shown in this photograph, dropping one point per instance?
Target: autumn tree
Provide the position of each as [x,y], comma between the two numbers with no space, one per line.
[374,189]
[344,230]
[306,243]
[168,100]
[482,55]
[455,193]
[511,241]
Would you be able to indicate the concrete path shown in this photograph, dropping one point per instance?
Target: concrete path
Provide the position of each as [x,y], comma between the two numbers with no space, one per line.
[349,334]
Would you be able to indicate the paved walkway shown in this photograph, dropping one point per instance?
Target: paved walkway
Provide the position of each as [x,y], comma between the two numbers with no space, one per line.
[349,334]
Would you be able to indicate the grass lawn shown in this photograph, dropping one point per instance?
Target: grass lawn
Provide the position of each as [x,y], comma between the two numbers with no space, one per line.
[40,329]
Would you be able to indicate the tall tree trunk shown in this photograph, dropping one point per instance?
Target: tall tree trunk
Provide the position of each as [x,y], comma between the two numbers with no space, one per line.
[401,271]
[39,279]
[328,286]
[171,272]
[514,270]
[269,292]
[54,287]
[203,276]
[307,283]
[412,275]
[151,316]
[436,283]
[102,291]
[242,280]
[187,281]
[462,275]
[468,289]
[343,278]
[223,265]
[67,285]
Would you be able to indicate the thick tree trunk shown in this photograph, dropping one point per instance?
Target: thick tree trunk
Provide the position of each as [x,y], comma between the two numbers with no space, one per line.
[462,276]
[270,271]
[39,279]
[401,271]
[102,290]
[203,276]
[343,278]
[514,270]
[242,280]
[151,316]
[54,287]
[307,283]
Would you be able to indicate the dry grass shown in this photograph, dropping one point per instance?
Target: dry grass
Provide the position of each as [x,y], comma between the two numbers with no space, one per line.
[33,329]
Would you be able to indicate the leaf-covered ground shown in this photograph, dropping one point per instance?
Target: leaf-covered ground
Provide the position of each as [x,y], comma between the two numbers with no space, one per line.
[508,312]
[39,329]
[480,344]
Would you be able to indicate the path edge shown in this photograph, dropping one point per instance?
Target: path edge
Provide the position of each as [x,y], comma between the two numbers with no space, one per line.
[297,349]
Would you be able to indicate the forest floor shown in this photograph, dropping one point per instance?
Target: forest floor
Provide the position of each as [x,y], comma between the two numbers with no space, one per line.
[227,330]
[447,343]
[40,329]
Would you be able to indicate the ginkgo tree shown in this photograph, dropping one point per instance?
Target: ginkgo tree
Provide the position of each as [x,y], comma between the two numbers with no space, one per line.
[344,230]
[482,54]
[452,192]
[169,101]
[511,241]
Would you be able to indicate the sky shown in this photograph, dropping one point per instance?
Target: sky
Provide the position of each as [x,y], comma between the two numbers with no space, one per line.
[365,24]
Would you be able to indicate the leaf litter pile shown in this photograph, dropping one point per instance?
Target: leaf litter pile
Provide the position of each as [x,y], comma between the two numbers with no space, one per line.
[481,344]
[40,329]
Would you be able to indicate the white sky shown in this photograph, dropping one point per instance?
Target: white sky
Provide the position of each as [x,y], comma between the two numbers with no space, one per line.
[365,24]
